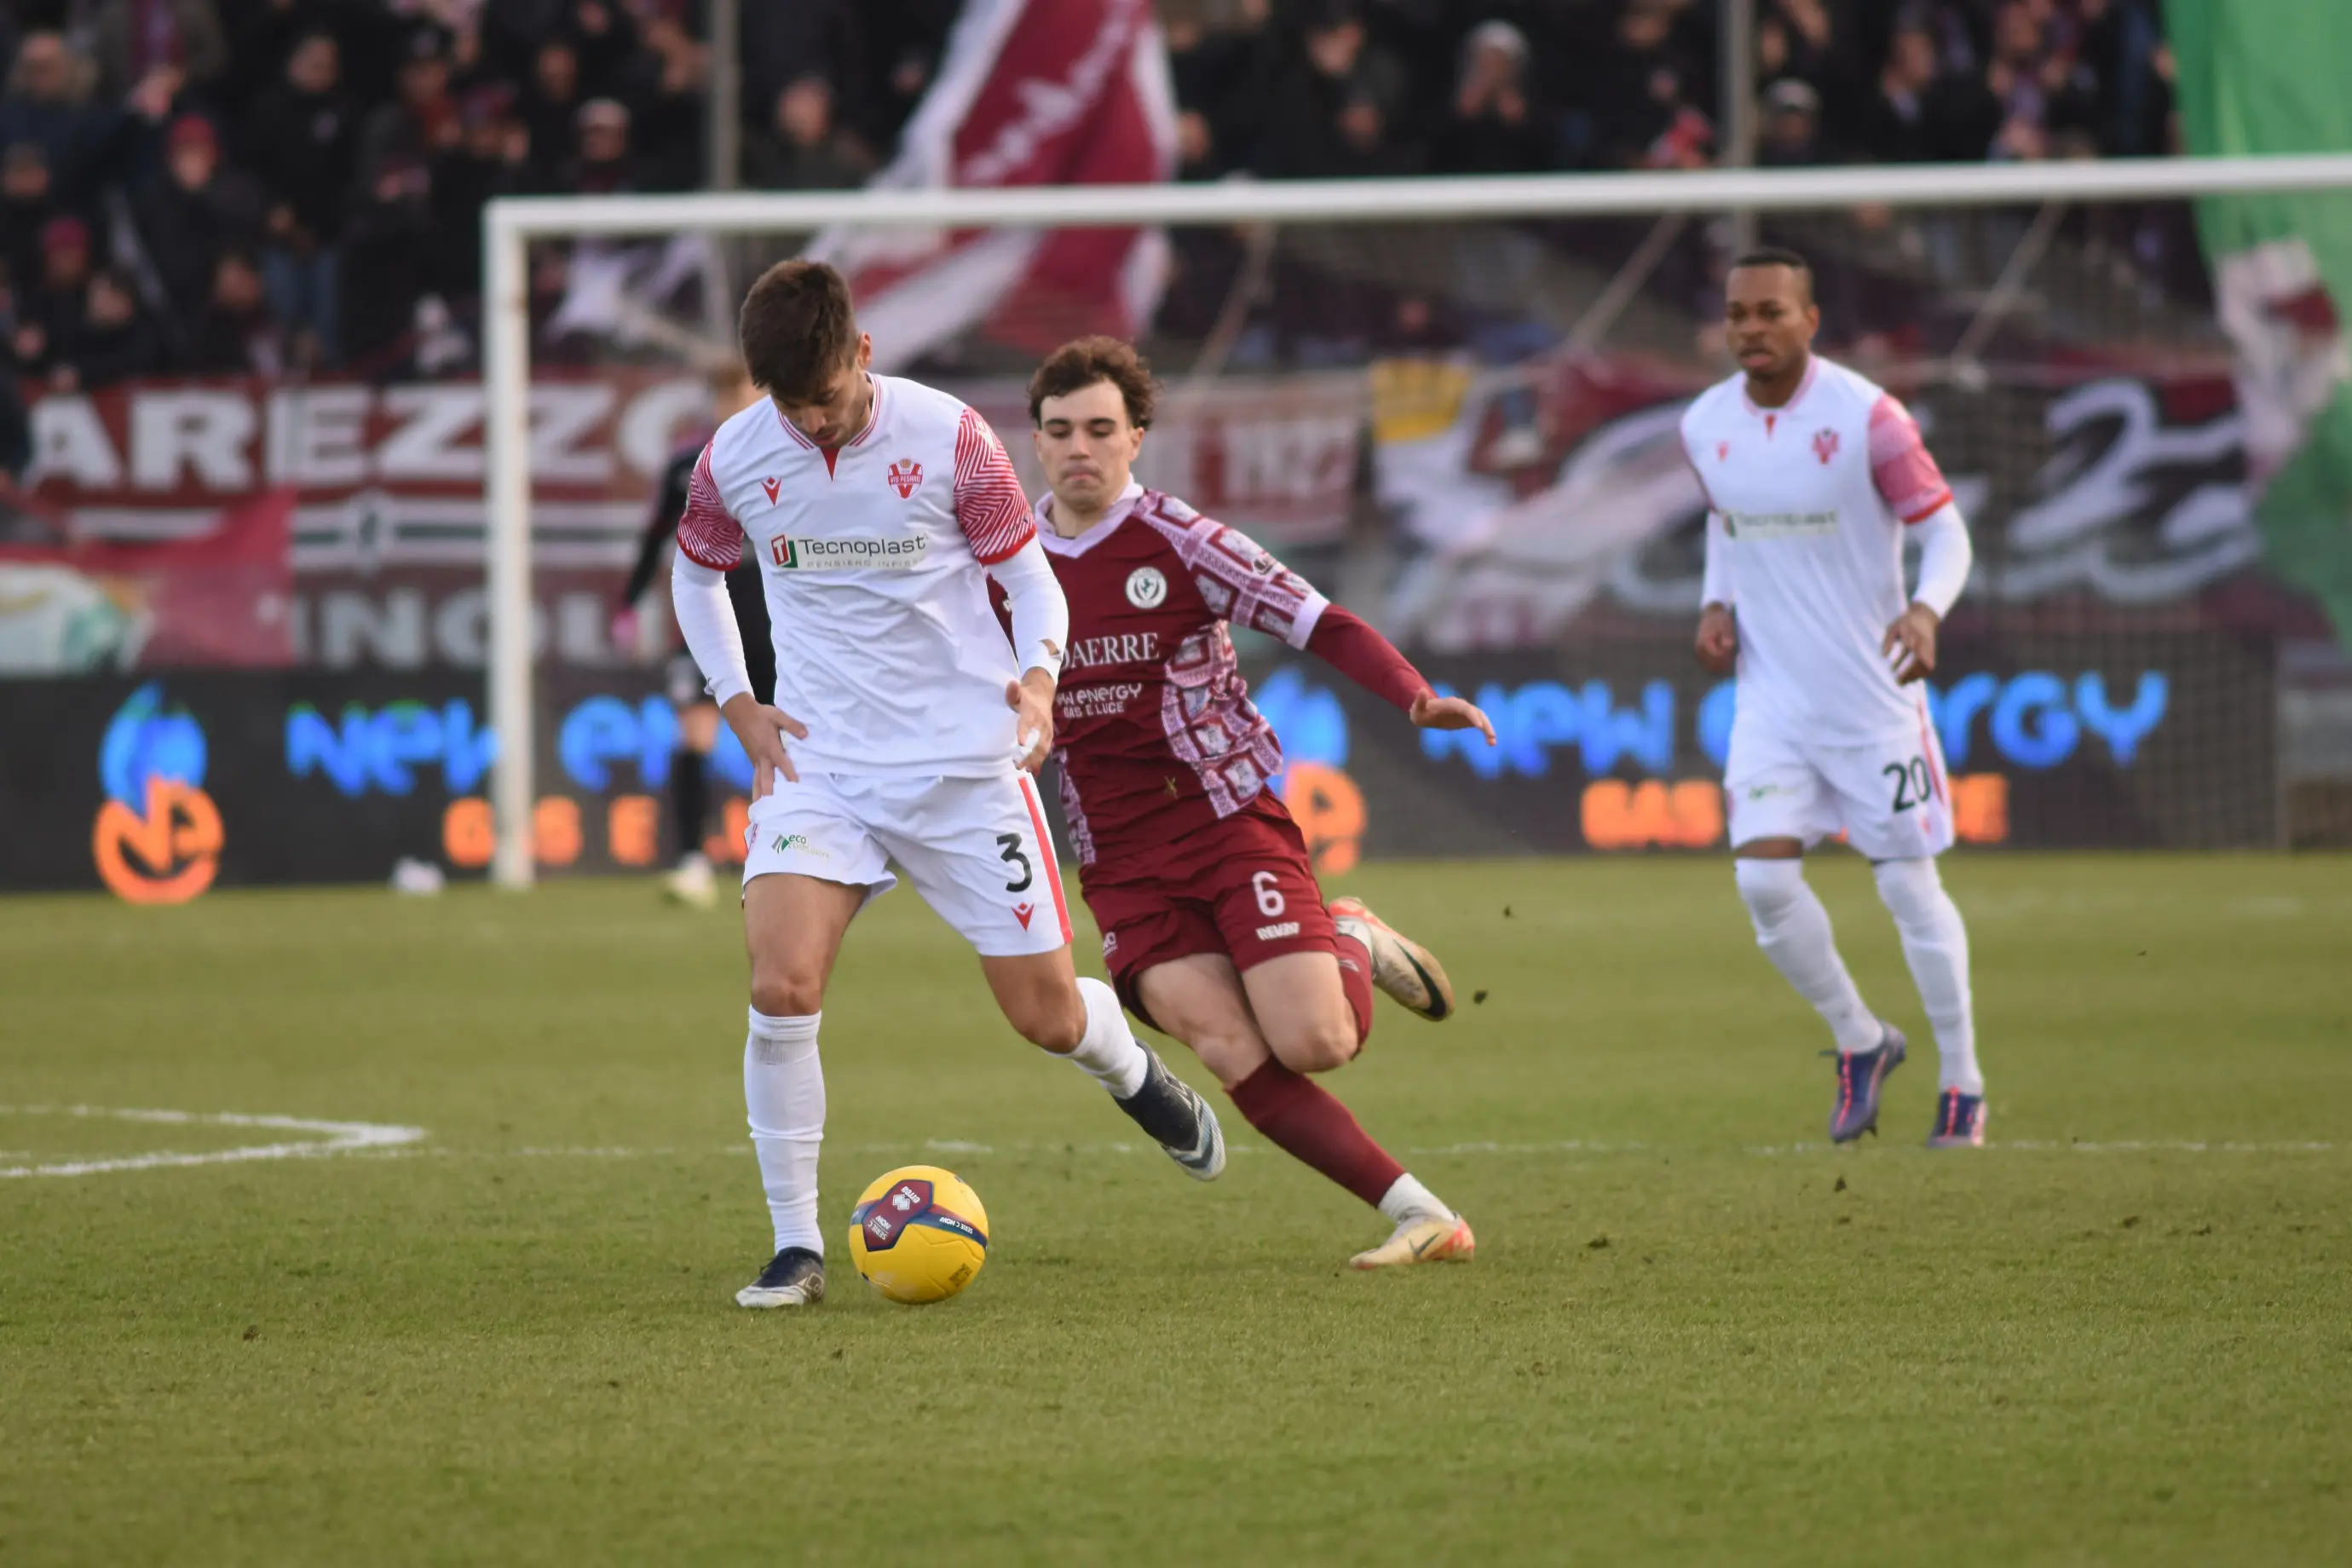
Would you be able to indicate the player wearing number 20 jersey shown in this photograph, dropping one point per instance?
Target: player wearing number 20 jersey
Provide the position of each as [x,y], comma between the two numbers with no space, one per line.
[1814,477]
[1213,926]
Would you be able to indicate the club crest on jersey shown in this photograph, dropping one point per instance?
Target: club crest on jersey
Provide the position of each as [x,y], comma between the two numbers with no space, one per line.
[1825,445]
[1146,587]
[771,486]
[906,478]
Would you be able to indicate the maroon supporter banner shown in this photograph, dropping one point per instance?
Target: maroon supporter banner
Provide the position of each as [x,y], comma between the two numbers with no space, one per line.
[221,597]
[381,504]
[1553,498]
[1031,92]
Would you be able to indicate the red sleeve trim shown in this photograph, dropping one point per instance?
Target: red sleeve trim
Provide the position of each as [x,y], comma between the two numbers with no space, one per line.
[1349,645]
[707,534]
[990,505]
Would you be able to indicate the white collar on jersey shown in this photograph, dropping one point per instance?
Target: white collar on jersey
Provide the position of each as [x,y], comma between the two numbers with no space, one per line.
[873,419]
[1813,370]
[1056,545]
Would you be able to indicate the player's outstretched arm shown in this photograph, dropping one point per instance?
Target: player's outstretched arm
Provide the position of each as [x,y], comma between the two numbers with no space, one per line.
[1349,644]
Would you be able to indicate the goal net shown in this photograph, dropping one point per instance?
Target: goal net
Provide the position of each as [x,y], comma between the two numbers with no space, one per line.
[1453,405]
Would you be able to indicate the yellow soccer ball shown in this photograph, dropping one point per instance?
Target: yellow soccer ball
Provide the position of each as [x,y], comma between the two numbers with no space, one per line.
[919,1235]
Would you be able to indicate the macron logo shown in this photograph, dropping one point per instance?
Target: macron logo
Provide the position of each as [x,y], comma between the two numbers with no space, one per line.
[770,486]
[1021,912]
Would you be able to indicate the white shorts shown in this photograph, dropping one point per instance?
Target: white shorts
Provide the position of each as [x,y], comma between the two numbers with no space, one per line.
[1890,798]
[977,849]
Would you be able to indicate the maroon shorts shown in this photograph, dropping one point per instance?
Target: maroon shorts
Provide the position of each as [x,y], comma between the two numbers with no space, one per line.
[1243,886]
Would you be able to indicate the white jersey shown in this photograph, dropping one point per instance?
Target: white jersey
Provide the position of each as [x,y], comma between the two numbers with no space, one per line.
[874,558]
[1813,496]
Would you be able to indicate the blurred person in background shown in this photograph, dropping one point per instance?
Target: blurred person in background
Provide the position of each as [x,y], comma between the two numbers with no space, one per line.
[549,108]
[49,310]
[158,50]
[669,82]
[300,140]
[1492,129]
[384,268]
[1791,134]
[1892,128]
[422,119]
[604,163]
[491,157]
[1219,77]
[28,202]
[48,103]
[1331,108]
[187,218]
[113,340]
[905,39]
[689,796]
[234,333]
[807,149]
[782,45]
[1643,113]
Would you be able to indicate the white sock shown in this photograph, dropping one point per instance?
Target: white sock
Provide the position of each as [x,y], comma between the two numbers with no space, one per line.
[1408,1199]
[783,1089]
[1793,930]
[1936,942]
[1109,1053]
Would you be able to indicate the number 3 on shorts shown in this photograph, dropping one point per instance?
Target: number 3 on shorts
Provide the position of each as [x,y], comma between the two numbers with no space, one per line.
[1269,897]
[1011,844]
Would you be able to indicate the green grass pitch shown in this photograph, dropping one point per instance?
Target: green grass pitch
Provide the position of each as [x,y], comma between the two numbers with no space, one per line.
[2123,1333]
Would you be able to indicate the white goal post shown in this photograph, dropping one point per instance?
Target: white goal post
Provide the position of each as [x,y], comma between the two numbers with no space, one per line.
[510,223]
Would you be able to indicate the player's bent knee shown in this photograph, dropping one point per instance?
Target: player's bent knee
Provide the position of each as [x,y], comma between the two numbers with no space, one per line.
[1912,890]
[1049,1029]
[1318,1050]
[787,995]
[1768,886]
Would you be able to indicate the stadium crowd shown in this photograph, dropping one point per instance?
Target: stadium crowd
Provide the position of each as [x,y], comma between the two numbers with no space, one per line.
[275,186]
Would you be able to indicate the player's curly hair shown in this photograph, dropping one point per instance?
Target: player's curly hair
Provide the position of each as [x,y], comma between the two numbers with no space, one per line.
[1085,360]
[797,329]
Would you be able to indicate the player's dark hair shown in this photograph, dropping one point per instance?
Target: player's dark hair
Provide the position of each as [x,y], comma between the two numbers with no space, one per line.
[1778,255]
[1086,361]
[797,330]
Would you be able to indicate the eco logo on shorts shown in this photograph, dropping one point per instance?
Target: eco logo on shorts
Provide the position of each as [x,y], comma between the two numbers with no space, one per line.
[787,842]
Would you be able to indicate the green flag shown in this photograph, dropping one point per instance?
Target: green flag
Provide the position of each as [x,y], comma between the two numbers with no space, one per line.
[2270,76]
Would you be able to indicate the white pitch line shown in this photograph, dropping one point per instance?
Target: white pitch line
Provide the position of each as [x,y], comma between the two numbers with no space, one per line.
[338,1138]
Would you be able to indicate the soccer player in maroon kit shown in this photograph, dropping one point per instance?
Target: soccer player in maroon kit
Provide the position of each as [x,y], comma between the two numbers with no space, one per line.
[1214,927]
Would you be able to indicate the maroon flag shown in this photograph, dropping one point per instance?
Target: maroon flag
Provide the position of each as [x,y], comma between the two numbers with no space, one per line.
[1031,92]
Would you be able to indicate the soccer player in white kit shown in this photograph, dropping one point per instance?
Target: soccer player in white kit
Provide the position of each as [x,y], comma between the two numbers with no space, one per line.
[878,508]
[1814,476]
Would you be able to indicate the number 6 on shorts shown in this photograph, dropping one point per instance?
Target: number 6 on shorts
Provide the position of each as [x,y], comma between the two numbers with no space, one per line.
[1269,897]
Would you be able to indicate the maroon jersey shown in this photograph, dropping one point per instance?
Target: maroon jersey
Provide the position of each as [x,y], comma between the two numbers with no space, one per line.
[1153,721]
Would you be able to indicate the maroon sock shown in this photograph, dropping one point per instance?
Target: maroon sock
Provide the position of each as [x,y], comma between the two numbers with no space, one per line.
[1310,1125]
[1356,978]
